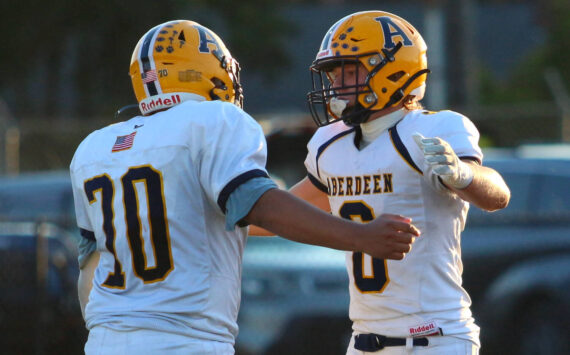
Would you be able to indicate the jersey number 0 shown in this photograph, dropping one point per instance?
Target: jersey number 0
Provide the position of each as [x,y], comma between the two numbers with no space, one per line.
[376,280]
[159,235]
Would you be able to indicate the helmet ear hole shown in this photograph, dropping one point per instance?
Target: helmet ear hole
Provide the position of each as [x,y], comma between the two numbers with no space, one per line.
[218,83]
[395,76]
[218,89]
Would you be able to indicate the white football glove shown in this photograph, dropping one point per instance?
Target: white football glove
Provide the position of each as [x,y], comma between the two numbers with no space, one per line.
[441,157]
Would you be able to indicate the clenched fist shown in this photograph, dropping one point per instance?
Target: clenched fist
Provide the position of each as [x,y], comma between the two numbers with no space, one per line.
[389,236]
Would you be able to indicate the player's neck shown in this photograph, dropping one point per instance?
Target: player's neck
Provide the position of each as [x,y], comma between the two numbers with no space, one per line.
[373,128]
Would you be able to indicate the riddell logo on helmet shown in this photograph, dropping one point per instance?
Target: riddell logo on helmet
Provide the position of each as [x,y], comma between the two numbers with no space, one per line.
[160,102]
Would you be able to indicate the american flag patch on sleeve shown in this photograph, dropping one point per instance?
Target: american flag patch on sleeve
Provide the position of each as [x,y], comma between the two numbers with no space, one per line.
[123,142]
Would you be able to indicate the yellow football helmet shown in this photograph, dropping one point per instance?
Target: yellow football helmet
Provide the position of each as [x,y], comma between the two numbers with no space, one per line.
[390,49]
[180,60]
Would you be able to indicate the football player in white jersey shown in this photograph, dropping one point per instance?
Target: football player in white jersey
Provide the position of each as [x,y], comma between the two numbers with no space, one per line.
[163,201]
[378,151]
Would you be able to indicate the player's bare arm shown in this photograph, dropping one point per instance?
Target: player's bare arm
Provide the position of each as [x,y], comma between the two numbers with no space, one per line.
[387,237]
[487,190]
[306,191]
[85,281]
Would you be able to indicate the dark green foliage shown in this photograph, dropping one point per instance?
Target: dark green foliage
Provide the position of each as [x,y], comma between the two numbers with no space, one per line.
[71,58]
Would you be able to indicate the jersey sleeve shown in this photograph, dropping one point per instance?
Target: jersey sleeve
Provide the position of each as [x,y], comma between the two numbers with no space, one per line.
[454,128]
[318,143]
[233,151]
[460,133]
[87,244]
[311,166]
[311,158]
[242,199]
[79,200]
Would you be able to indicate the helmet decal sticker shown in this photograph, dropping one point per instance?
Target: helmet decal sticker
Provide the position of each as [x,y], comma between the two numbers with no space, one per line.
[149,76]
[387,23]
[171,37]
[170,48]
[189,75]
[205,38]
[326,43]
[145,60]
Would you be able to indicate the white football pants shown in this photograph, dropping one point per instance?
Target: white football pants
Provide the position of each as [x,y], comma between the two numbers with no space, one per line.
[105,341]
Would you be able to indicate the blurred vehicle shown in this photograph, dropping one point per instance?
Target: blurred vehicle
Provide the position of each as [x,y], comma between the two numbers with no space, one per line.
[38,196]
[294,299]
[39,308]
[517,261]
[516,269]
[295,296]
[38,296]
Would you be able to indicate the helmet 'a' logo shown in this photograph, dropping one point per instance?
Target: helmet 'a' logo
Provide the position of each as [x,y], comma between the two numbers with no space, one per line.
[390,30]
[206,38]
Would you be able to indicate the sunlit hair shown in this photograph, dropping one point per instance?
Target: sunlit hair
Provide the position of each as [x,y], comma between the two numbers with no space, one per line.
[410,103]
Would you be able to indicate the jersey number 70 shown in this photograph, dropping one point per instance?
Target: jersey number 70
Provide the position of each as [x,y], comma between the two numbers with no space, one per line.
[375,280]
[159,235]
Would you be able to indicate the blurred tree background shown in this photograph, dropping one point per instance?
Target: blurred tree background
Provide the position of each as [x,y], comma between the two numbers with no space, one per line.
[69,59]
[66,64]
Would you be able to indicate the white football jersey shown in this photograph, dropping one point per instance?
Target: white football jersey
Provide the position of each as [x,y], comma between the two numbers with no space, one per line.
[421,294]
[153,190]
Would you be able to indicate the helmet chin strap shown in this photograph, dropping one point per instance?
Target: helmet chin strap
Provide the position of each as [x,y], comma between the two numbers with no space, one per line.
[131,109]
[356,115]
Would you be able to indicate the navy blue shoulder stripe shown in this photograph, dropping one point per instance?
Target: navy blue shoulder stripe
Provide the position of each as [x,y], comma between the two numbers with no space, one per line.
[87,234]
[144,57]
[401,148]
[319,185]
[235,183]
[327,144]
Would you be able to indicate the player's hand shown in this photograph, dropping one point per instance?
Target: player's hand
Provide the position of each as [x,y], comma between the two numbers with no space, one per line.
[389,236]
[444,162]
